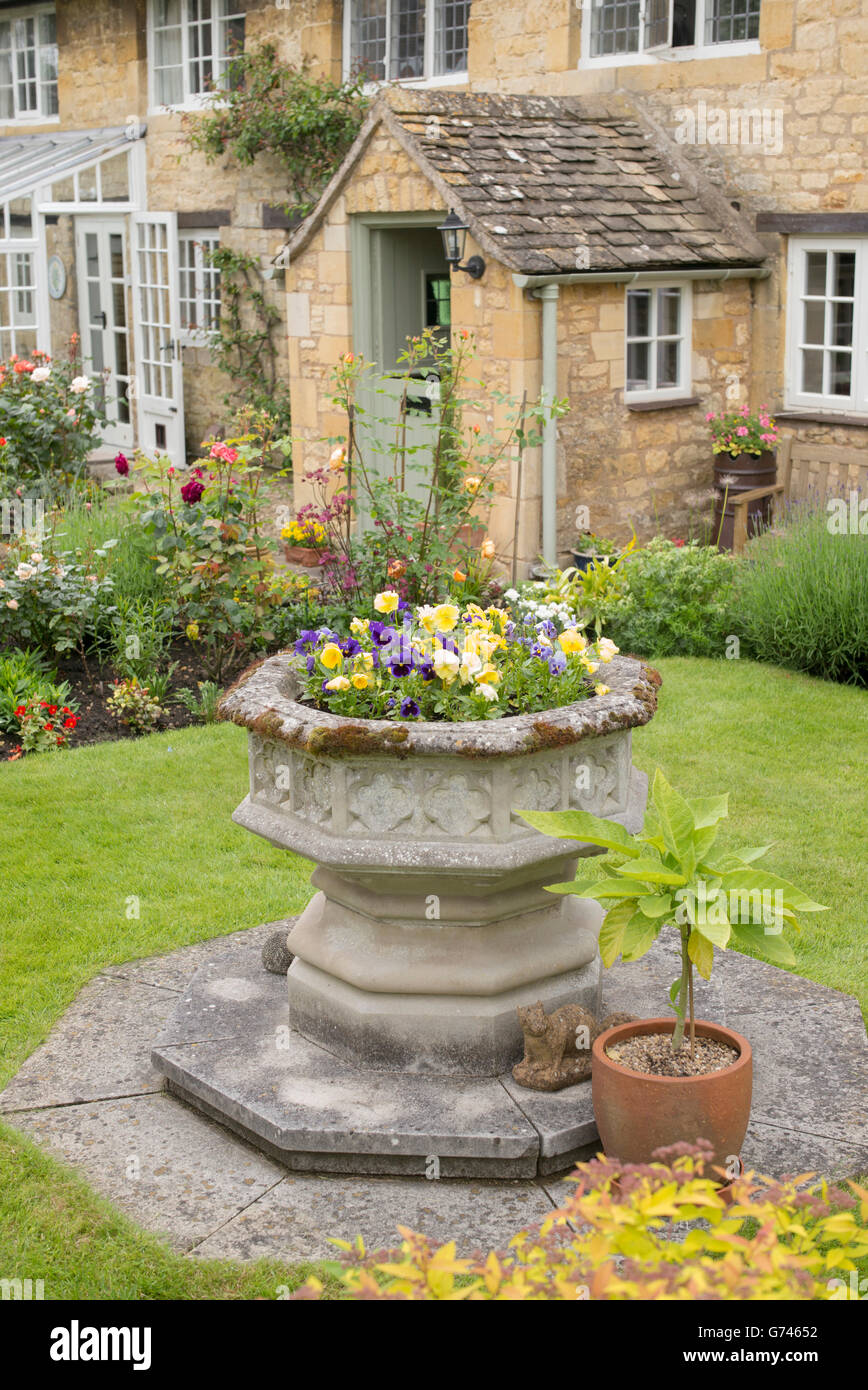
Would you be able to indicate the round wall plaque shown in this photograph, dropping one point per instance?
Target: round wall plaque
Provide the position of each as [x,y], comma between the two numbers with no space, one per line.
[56,277]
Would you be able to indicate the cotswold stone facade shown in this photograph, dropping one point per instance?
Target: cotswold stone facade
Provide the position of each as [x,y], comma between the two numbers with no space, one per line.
[105,80]
[764,133]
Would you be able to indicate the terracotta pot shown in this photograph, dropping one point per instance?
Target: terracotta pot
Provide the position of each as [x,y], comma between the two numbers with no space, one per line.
[638,1113]
[301,555]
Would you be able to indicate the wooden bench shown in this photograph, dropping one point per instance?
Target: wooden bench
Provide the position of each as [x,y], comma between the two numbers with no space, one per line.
[804,469]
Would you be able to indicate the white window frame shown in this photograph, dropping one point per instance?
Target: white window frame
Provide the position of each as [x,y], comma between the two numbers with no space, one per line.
[40,117]
[429,78]
[197,238]
[190,101]
[795,398]
[10,248]
[662,53]
[684,386]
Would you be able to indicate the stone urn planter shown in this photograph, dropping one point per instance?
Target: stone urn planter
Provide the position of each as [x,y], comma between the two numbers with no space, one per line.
[431,923]
[305,555]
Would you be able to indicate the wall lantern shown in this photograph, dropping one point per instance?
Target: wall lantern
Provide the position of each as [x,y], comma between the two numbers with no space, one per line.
[454,234]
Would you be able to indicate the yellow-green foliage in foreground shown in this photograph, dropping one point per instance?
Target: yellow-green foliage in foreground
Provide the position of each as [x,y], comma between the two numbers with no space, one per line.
[764,1239]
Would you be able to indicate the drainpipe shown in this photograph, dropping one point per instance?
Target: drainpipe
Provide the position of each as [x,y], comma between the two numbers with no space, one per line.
[548,293]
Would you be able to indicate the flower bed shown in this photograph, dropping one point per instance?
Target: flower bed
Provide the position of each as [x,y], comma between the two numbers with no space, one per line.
[439,662]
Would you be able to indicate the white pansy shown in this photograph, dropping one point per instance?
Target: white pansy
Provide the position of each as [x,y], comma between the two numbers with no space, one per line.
[487,690]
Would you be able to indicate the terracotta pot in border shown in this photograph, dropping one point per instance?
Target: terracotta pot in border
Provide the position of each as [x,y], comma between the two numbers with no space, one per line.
[637,1113]
[301,555]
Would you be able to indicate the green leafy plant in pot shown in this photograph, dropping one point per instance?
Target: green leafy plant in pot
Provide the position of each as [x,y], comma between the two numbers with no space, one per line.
[670,875]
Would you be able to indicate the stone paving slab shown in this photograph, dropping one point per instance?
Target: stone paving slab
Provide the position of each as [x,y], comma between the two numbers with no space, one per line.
[171,1170]
[211,1193]
[174,971]
[99,1048]
[296,1220]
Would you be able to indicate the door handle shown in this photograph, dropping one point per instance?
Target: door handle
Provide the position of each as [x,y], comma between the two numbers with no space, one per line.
[101,318]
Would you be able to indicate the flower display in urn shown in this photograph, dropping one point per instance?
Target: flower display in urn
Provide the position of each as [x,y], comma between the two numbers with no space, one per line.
[393,755]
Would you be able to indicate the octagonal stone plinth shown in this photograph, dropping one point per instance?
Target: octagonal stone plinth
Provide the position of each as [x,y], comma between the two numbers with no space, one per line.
[431,924]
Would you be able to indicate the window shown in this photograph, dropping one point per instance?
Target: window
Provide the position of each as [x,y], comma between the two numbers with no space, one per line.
[399,40]
[827,325]
[18,325]
[192,44]
[28,65]
[199,290]
[647,26]
[658,342]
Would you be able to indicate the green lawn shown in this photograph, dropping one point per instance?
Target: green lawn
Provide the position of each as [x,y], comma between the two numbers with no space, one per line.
[87,832]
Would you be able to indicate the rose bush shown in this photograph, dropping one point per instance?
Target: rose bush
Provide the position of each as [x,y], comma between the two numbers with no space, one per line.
[50,416]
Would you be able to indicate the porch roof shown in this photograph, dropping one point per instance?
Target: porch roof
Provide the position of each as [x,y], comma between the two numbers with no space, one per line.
[556,185]
[27,161]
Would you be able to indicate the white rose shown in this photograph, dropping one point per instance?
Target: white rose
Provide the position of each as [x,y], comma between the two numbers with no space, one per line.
[40,374]
[25,571]
[80,384]
[36,558]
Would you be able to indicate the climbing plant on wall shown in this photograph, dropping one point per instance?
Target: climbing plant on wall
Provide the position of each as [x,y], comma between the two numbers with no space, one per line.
[274,108]
[243,345]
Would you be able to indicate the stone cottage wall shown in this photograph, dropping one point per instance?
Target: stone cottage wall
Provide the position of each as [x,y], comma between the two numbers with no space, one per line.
[504,325]
[651,469]
[811,82]
[103,81]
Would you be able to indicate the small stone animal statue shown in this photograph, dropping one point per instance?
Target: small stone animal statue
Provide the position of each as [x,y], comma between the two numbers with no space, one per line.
[557,1046]
[275,956]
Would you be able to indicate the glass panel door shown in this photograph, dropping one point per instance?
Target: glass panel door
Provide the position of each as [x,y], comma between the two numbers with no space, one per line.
[103,287]
[158,352]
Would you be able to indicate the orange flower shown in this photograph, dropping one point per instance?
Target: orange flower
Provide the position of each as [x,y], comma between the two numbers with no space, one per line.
[487,549]
[395,569]
[459,576]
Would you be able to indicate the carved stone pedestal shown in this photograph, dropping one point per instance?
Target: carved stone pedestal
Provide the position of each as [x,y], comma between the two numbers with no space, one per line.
[431,923]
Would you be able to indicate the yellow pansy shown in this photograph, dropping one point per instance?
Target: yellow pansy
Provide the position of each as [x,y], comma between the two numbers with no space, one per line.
[601,690]
[359,626]
[387,601]
[489,674]
[360,680]
[589,666]
[445,617]
[572,641]
[425,618]
[338,683]
[607,649]
[331,656]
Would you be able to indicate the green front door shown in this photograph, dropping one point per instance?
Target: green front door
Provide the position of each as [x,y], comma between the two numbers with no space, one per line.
[405,289]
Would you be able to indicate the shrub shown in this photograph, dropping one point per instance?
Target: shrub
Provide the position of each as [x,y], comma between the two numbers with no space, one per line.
[49,415]
[612,1240]
[203,707]
[26,676]
[51,601]
[207,531]
[43,727]
[676,601]
[133,704]
[802,598]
